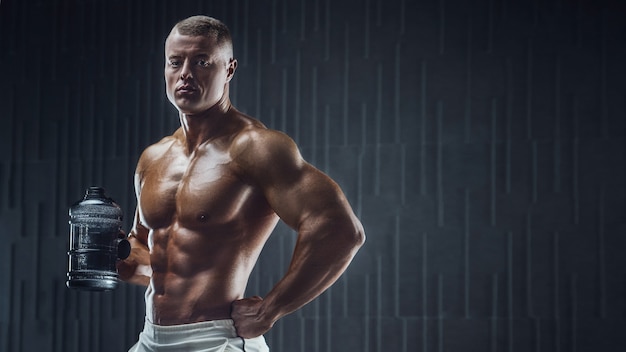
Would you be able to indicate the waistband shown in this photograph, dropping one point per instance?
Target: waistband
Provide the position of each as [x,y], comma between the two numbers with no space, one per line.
[191,326]
[205,329]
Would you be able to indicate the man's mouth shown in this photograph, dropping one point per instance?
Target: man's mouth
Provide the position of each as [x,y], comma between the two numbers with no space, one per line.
[186,88]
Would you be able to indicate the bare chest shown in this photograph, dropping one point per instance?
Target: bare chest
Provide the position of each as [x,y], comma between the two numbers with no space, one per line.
[199,191]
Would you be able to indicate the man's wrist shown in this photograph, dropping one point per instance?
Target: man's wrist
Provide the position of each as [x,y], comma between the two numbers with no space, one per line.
[268,312]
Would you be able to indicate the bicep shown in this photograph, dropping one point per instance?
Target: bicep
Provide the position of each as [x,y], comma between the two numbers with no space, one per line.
[311,197]
[138,232]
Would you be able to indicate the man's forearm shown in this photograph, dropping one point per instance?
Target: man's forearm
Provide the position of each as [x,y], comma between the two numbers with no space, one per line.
[136,269]
[318,261]
[142,275]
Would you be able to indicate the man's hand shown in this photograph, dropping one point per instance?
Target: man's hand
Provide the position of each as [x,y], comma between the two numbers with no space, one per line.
[136,268]
[248,317]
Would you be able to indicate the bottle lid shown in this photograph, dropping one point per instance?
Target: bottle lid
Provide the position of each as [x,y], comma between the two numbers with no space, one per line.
[94,192]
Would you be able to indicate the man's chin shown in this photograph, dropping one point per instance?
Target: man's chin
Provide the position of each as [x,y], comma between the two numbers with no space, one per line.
[188,109]
[190,112]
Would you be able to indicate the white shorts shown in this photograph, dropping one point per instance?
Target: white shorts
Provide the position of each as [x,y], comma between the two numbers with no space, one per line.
[206,336]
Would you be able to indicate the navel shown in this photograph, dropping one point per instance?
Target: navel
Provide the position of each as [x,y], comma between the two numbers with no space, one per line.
[203,217]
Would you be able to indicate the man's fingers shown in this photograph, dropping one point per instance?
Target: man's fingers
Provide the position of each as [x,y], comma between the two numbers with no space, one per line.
[245,315]
[246,306]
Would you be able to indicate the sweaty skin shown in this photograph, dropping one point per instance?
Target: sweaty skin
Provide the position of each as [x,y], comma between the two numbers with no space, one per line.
[209,196]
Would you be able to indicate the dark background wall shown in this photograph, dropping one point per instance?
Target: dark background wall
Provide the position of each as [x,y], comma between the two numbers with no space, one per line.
[481,142]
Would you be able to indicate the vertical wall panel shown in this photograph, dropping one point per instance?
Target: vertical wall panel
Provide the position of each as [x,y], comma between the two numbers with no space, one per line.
[482,143]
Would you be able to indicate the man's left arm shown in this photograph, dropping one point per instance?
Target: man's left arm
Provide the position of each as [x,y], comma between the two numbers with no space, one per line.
[329,234]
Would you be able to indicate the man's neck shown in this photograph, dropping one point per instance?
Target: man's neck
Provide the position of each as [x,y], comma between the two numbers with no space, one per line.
[199,128]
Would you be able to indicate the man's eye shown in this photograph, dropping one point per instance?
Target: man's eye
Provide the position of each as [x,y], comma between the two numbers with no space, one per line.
[174,63]
[203,63]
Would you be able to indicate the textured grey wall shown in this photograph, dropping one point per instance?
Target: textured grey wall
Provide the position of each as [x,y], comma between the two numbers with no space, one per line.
[481,142]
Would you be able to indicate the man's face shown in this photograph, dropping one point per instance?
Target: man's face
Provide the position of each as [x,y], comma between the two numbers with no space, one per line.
[196,72]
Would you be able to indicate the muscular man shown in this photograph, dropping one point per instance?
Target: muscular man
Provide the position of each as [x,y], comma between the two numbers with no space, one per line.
[208,197]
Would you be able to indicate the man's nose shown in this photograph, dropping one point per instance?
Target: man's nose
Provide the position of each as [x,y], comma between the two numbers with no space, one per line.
[185,72]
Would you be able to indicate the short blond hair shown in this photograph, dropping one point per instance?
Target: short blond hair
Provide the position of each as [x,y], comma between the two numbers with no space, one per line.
[206,26]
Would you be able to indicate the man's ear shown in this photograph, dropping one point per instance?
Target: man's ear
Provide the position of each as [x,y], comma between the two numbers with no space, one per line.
[232,66]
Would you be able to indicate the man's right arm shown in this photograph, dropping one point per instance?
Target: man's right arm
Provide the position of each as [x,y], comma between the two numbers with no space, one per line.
[136,268]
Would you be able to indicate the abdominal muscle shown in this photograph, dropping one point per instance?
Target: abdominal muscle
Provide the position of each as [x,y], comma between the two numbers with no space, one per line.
[196,275]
